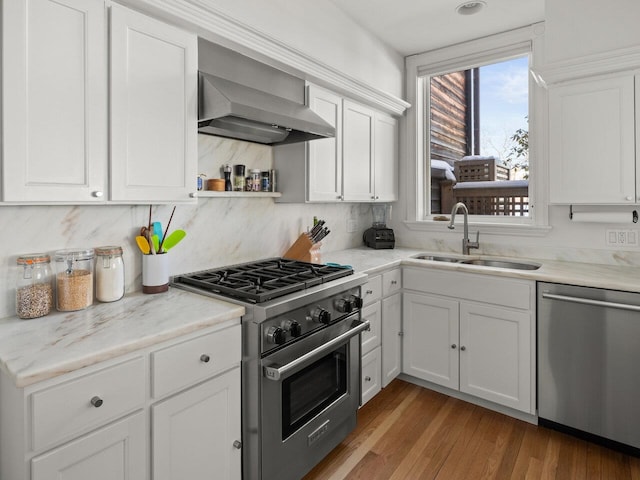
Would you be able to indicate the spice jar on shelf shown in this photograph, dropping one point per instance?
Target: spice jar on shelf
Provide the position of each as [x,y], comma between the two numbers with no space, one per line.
[109,274]
[34,292]
[74,279]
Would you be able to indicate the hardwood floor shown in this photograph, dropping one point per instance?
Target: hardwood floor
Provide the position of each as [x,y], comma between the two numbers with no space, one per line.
[410,433]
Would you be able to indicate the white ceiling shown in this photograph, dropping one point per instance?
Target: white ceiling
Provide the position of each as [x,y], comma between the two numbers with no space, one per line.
[415,26]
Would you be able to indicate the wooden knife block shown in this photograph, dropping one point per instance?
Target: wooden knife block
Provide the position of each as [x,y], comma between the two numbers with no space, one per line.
[304,250]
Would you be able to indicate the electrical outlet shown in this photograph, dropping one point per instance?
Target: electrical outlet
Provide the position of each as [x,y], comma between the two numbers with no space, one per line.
[622,238]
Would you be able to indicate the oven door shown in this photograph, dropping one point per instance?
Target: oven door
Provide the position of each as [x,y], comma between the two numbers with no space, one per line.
[310,397]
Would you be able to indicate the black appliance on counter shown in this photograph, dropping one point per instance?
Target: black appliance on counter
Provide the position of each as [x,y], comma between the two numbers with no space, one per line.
[379,235]
[301,358]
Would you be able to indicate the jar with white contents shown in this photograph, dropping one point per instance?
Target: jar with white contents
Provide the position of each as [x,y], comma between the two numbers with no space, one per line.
[109,274]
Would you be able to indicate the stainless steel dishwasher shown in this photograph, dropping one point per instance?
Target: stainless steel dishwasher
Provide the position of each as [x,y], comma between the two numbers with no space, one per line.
[589,363]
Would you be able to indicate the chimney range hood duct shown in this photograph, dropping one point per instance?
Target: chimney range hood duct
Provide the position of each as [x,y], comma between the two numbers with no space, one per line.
[229,109]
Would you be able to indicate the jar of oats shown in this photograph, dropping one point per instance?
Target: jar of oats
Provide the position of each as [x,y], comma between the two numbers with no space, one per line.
[74,279]
[34,292]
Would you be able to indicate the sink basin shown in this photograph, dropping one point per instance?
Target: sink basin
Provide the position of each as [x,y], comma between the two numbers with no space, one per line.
[484,262]
[437,258]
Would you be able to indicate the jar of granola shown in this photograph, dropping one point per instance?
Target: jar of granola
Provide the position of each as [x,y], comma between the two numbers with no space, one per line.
[34,292]
[74,279]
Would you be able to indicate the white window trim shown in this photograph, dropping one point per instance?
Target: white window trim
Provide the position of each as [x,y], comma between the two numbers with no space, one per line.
[466,55]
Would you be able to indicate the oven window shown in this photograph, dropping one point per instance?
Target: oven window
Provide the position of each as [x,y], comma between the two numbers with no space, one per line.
[308,392]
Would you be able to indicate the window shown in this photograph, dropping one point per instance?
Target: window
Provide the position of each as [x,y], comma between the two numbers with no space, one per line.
[475,106]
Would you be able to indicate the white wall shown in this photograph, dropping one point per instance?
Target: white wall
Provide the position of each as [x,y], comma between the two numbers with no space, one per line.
[577,28]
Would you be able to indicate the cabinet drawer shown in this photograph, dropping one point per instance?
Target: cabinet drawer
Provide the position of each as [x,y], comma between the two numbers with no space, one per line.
[66,410]
[372,290]
[508,292]
[189,362]
[391,282]
[371,338]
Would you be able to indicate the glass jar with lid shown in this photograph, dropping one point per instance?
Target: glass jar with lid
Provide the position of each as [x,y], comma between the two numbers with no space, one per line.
[34,292]
[109,274]
[74,279]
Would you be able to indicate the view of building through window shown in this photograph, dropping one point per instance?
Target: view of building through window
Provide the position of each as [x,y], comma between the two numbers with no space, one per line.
[479,139]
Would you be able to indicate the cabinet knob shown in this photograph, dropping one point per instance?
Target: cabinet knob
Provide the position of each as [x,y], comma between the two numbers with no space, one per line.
[367,378]
[629,197]
[237,444]
[401,334]
[96,401]
[193,195]
[463,348]
[454,346]
[341,197]
[377,197]
[369,292]
[97,194]
[204,358]
[394,282]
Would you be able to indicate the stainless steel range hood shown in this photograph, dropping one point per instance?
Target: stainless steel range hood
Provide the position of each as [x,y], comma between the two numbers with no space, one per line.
[229,109]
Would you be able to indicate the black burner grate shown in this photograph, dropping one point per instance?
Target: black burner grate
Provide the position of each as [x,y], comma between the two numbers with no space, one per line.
[264,280]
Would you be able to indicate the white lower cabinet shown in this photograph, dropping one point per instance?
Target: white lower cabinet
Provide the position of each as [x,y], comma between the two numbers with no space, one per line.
[471,333]
[391,338]
[115,452]
[196,434]
[371,373]
[105,422]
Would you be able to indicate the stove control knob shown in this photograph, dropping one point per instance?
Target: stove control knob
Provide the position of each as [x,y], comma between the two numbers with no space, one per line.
[356,301]
[276,335]
[344,305]
[293,327]
[320,315]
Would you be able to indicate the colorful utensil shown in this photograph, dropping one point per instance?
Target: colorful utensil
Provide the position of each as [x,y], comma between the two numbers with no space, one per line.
[173,239]
[143,244]
[155,241]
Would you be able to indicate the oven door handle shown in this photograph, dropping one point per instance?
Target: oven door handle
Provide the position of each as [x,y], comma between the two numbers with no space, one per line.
[276,373]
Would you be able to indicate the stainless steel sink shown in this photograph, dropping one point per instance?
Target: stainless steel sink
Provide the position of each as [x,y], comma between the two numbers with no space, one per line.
[484,262]
[438,258]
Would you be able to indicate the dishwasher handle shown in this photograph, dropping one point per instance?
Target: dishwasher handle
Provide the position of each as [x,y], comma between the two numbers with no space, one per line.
[589,301]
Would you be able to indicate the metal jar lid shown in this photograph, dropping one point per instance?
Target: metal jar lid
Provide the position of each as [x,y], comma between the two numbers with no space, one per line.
[33,258]
[109,250]
[76,254]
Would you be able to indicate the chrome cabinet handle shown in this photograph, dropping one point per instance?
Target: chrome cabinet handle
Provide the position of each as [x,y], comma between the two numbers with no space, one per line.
[97,194]
[204,358]
[96,401]
[237,444]
[394,282]
[588,301]
[463,348]
[193,195]
[369,292]
[367,378]
[454,346]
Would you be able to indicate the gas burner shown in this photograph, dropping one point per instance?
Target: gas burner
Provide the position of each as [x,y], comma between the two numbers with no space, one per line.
[263,280]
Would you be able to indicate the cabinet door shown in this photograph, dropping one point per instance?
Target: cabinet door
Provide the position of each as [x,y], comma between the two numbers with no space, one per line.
[430,340]
[370,375]
[386,158]
[592,142]
[325,155]
[391,338]
[194,432]
[371,339]
[54,101]
[153,109]
[495,355]
[116,452]
[357,158]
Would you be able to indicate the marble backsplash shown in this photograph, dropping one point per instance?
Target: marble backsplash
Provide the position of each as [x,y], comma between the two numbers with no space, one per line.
[220,231]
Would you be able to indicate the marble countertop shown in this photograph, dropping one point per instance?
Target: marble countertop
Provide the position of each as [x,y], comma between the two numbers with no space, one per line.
[613,277]
[61,342]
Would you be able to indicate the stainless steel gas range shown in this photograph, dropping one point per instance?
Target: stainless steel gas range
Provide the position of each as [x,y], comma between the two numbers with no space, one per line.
[301,359]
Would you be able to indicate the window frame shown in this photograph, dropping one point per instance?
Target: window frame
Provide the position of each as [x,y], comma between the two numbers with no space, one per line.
[503,46]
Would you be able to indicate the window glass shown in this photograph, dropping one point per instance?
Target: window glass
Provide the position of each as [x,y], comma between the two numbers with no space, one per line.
[479,139]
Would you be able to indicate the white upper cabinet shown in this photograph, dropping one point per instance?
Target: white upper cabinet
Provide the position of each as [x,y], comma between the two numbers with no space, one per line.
[385,155]
[153,109]
[56,105]
[357,158]
[325,155]
[54,101]
[592,141]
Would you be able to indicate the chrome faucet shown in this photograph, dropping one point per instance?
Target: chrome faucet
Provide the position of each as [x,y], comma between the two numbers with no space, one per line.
[466,243]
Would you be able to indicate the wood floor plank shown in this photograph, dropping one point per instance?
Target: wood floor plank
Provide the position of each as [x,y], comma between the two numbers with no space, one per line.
[410,433]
